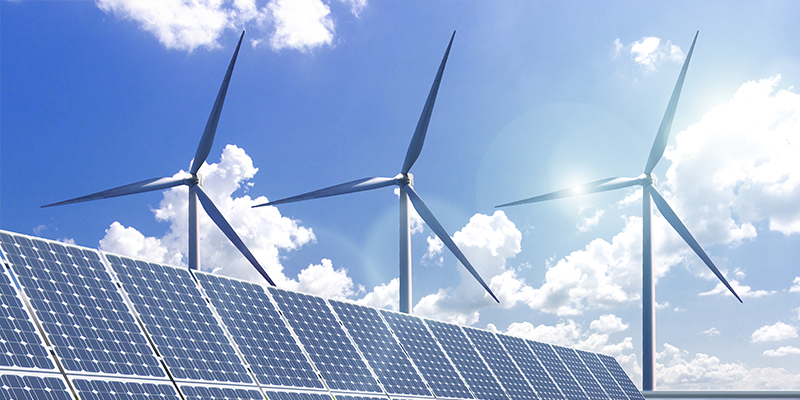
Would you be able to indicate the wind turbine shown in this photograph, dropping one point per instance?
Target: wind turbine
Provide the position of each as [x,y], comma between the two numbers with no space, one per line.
[647,181]
[405,181]
[194,181]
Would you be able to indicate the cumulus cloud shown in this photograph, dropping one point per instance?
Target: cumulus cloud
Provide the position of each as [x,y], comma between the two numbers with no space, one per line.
[782,351]
[796,286]
[772,333]
[384,296]
[648,52]
[188,24]
[324,280]
[589,222]
[742,290]
[711,332]
[570,334]
[609,323]
[677,371]
[434,253]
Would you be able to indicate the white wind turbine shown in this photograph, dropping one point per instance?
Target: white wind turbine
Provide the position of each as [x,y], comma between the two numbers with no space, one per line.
[194,181]
[405,181]
[647,181]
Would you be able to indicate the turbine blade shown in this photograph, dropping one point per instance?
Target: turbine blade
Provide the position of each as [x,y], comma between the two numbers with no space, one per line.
[133,188]
[602,185]
[226,228]
[211,126]
[415,147]
[676,223]
[437,228]
[666,123]
[359,185]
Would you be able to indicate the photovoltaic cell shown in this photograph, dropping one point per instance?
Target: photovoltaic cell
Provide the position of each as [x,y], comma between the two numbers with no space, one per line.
[220,393]
[381,350]
[20,345]
[581,373]
[621,377]
[427,355]
[33,387]
[467,361]
[127,390]
[544,386]
[325,341]
[601,374]
[80,308]
[569,387]
[499,361]
[179,322]
[259,332]
[275,395]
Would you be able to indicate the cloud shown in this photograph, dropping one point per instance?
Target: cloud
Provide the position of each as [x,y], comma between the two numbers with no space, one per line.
[323,280]
[434,253]
[570,334]
[782,351]
[742,290]
[383,296]
[188,24]
[772,333]
[648,52]
[608,324]
[589,222]
[710,332]
[796,286]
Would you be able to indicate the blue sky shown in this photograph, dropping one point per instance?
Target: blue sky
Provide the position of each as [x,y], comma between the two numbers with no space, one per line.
[536,97]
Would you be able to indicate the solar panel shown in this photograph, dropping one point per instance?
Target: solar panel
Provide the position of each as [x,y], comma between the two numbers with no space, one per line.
[601,374]
[14,386]
[542,383]
[20,344]
[179,322]
[581,373]
[467,361]
[379,347]
[327,344]
[501,364]
[423,350]
[259,332]
[99,389]
[220,393]
[275,395]
[555,367]
[621,377]
[80,309]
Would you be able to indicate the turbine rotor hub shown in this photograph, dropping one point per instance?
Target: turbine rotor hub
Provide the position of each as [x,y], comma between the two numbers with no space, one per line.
[195,179]
[647,179]
[405,179]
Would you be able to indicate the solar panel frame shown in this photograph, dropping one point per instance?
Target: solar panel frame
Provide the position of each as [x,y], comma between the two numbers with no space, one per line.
[219,392]
[260,333]
[123,389]
[526,361]
[82,313]
[599,371]
[180,323]
[29,385]
[504,368]
[467,361]
[380,348]
[286,395]
[557,370]
[323,338]
[581,373]
[619,375]
[427,354]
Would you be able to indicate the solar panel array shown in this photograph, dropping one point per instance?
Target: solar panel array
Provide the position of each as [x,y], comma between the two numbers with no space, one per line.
[78,323]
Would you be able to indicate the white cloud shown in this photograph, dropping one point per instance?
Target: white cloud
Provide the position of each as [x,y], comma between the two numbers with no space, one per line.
[570,334]
[383,296]
[704,372]
[415,222]
[434,253]
[649,52]
[608,324]
[188,24]
[772,333]
[796,286]
[711,332]
[742,290]
[782,351]
[323,280]
[589,222]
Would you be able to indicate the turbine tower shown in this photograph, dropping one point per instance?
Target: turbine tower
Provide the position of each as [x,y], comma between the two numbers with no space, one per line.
[647,182]
[405,181]
[194,181]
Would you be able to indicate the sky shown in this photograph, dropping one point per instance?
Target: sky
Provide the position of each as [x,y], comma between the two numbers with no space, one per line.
[537,96]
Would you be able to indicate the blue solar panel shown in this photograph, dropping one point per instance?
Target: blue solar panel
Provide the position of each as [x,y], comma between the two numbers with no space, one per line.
[366,398]
[80,309]
[542,383]
[259,332]
[427,355]
[555,367]
[325,341]
[621,377]
[601,374]
[220,393]
[379,347]
[581,373]
[33,387]
[466,360]
[20,345]
[124,390]
[500,362]
[179,322]
[273,395]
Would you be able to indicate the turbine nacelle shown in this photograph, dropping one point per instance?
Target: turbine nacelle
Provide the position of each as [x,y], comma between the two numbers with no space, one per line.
[404,179]
[646,179]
